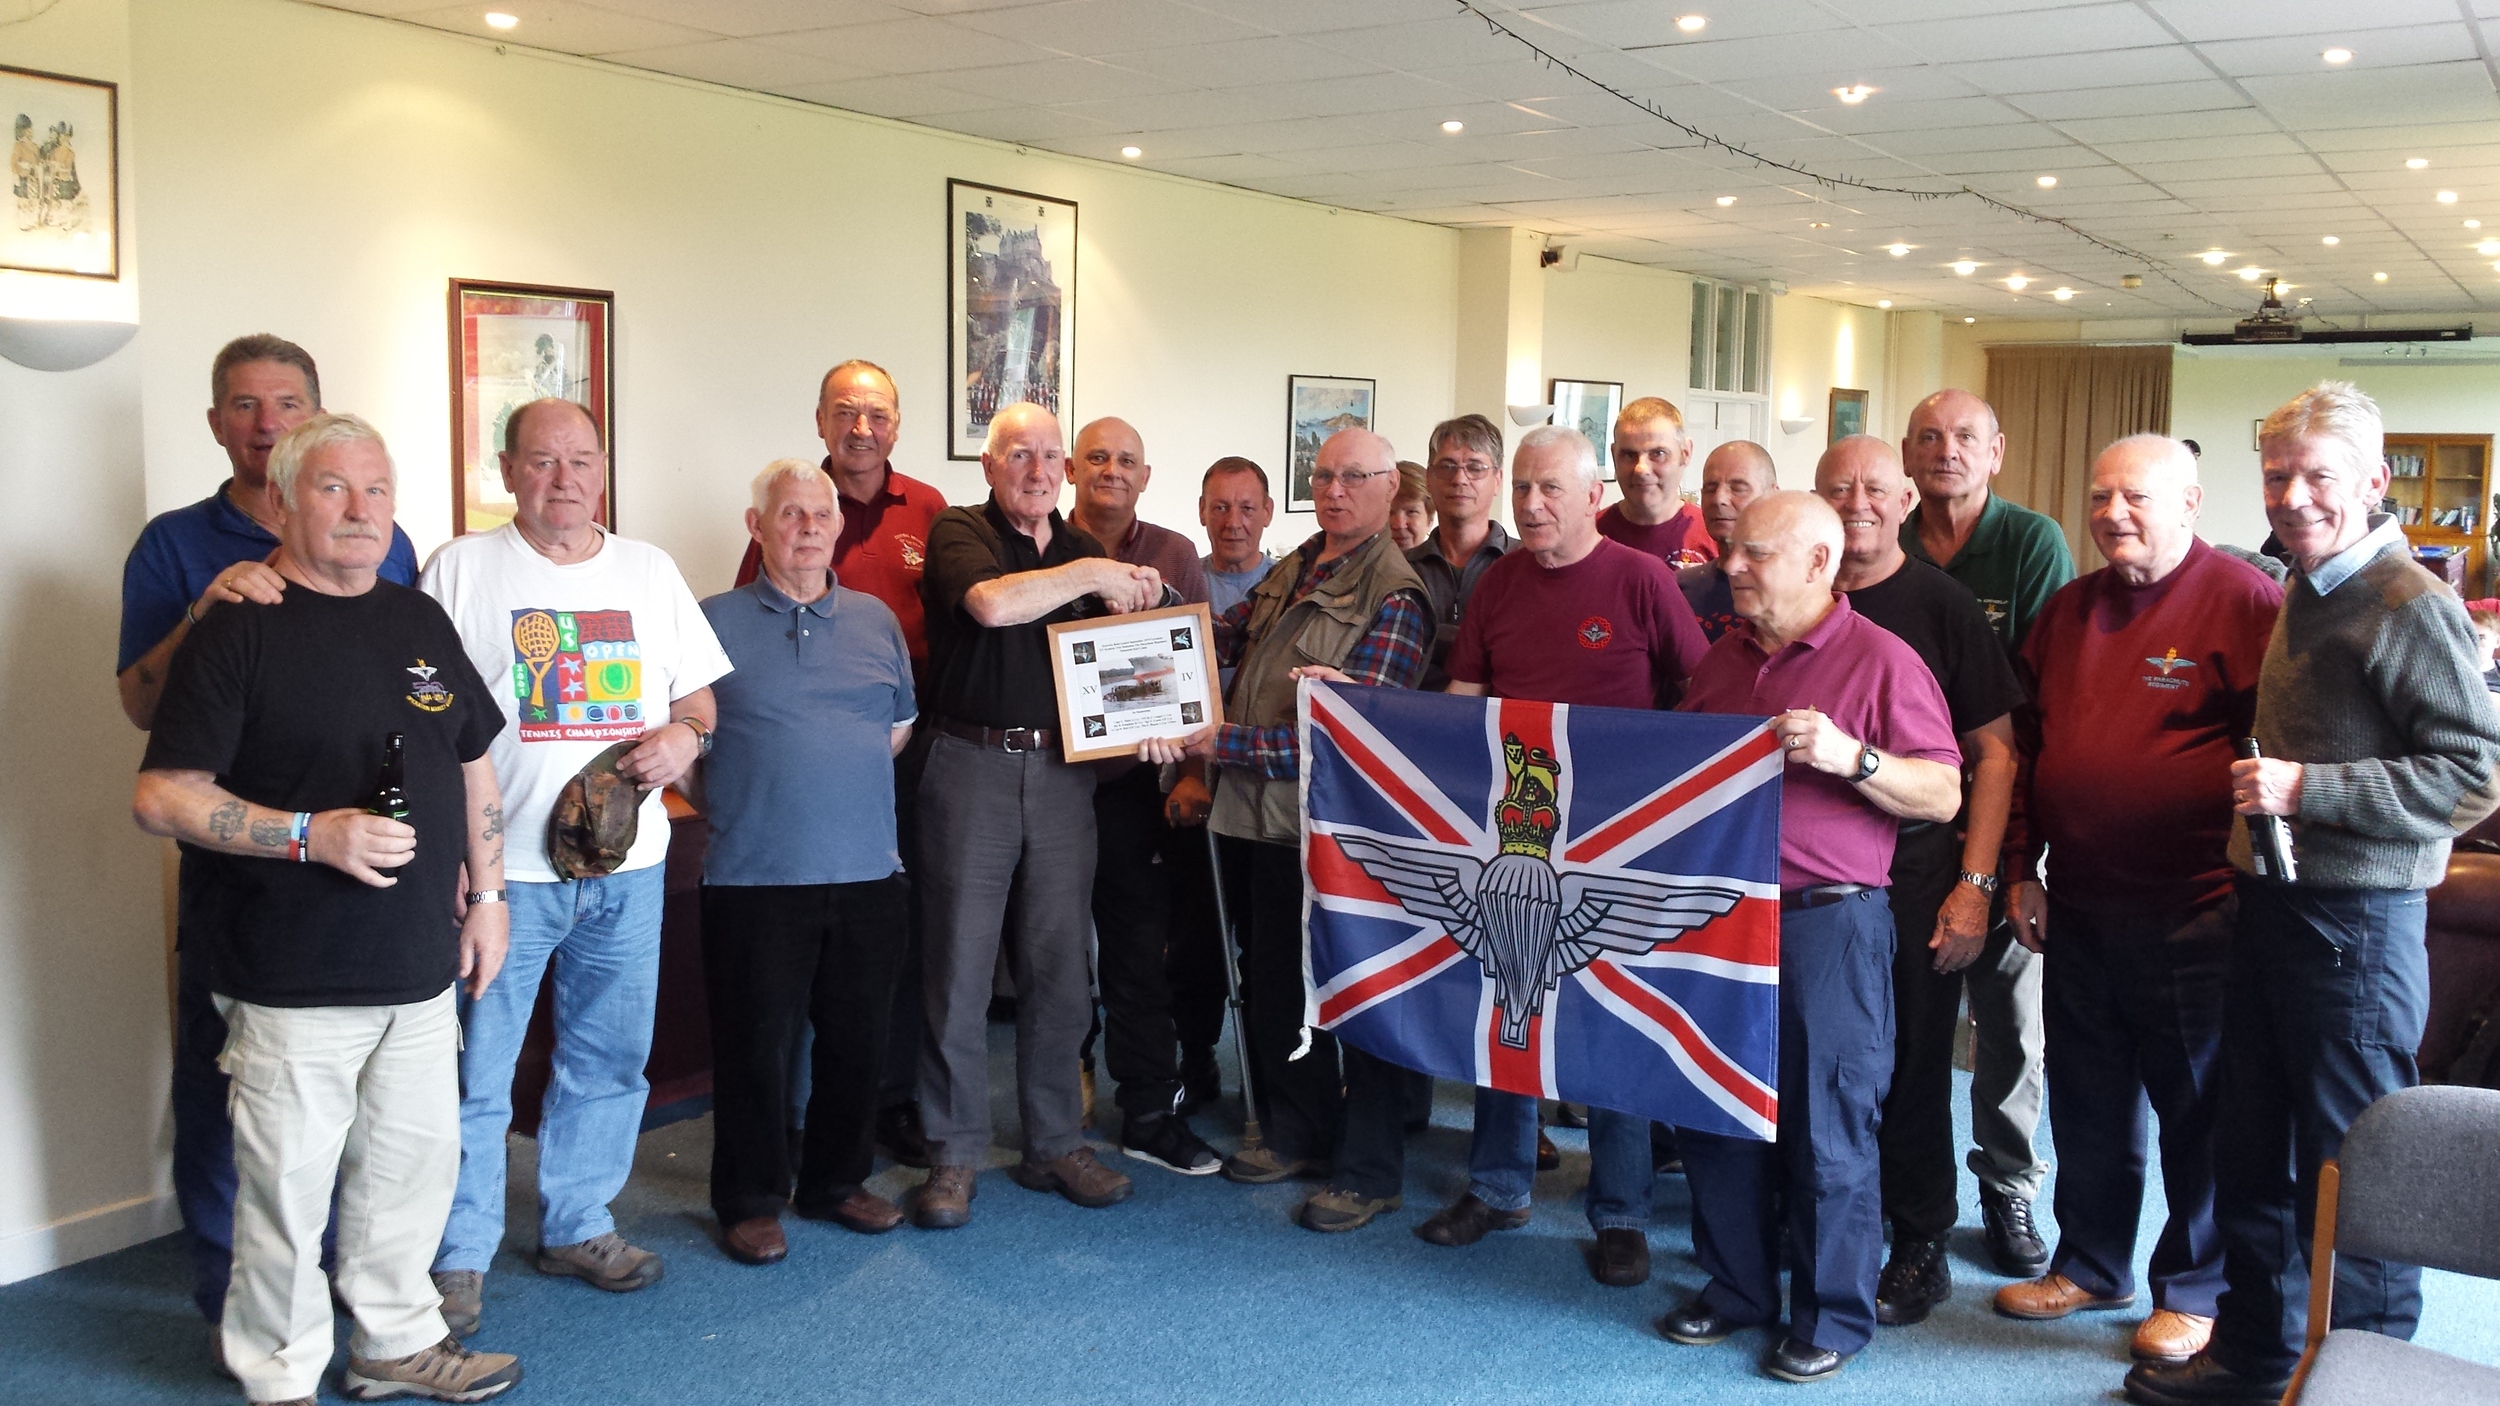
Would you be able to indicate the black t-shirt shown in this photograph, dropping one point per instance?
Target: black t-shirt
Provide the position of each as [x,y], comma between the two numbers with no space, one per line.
[1940,620]
[993,677]
[288,705]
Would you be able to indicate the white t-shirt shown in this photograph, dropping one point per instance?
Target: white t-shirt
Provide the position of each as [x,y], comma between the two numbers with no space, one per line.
[581,657]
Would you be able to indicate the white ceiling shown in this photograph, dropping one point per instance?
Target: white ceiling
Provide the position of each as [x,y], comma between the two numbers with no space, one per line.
[2172,126]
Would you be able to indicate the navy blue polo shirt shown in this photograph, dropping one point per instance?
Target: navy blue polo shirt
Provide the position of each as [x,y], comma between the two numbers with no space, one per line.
[180,552]
[800,784]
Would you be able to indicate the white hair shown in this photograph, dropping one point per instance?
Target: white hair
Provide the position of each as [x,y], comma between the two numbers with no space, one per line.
[790,471]
[2159,449]
[1583,453]
[323,431]
[2330,410]
[999,422]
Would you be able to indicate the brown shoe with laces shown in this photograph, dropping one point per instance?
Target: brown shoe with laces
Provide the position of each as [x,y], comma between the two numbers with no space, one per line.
[1080,1176]
[603,1262]
[944,1201]
[2053,1296]
[444,1372]
[2170,1336]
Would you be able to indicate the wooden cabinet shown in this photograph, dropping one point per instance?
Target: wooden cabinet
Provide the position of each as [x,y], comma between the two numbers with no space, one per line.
[2439,487]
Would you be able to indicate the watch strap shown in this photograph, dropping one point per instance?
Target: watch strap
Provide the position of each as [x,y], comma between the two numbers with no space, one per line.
[1985,883]
[486,896]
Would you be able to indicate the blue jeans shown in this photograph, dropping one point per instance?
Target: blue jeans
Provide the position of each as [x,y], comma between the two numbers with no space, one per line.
[605,935]
[1501,1166]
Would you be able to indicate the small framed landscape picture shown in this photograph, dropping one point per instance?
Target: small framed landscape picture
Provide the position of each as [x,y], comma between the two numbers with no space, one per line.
[1847,415]
[512,343]
[64,174]
[1124,678]
[1011,297]
[1315,408]
[1590,407]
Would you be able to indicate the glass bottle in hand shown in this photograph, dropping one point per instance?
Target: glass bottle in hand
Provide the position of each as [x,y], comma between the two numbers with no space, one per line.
[390,794]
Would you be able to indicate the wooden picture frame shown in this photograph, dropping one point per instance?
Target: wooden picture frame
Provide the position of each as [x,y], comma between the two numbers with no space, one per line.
[64,212]
[1589,407]
[1844,415]
[1315,408]
[512,343]
[1010,306]
[1121,679]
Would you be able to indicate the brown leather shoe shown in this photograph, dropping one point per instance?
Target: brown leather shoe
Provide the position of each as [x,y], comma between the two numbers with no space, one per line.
[2169,1336]
[861,1210]
[756,1241]
[2052,1296]
[1620,1259]
[1466,1221]
[944,1201]
[1080,1176]
[1548,1156]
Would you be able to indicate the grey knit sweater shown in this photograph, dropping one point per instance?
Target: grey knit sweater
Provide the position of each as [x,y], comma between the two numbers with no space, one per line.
[2375,688]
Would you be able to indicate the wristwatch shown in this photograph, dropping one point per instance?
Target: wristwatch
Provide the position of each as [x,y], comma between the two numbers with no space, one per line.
[477,896]
[1985,883]
[1868,760]
[702,735]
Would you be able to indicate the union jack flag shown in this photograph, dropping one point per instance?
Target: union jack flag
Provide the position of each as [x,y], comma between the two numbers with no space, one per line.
[1573,902]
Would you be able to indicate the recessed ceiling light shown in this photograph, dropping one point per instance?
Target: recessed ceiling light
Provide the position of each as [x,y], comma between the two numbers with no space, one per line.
[2446,197]
[497,19]
[1727,200]
[2337,55]
[1132,153]
[1453,126]
[2473,224]
[2250,273]
[1854,94]
[1897,250]
[2488,248]
[2129,280]
[1820,224]
[2416,163]
[2017,282]
[1968,320]
[2215,257]
[2046,182]
[2330,241]
[1965,268]
[2378,278]
[1883,302]
[1691,24]
[2061,294]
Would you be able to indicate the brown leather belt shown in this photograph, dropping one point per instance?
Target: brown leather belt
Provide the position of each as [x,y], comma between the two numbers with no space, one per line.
[1003,739]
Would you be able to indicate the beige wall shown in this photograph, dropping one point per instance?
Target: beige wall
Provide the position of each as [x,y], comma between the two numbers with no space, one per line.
[1817,346]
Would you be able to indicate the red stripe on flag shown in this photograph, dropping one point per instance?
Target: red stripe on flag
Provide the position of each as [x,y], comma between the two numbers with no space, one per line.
[1632,822]
[1738,1082]
[1516,1071]
[1435,953]
[1379,773]
[1748,933]
[1339,877]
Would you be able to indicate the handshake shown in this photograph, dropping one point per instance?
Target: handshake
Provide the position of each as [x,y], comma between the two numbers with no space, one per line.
[1125,589]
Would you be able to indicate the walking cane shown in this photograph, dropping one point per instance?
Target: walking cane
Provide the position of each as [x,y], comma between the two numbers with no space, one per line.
[1232,987]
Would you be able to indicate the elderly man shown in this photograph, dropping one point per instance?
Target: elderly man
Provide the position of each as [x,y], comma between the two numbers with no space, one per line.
[1138,849]
[1464,478]
[1650,454]
[804,911]
[884,541]
[2013,560]
[2379,745]
[1735,474]
[593,640]
[1001,812]
[2147,666]
[1571,618]
[1869,744]
[1235,508]
[331,932]
[1346,606]
[185,564]
[1943,877]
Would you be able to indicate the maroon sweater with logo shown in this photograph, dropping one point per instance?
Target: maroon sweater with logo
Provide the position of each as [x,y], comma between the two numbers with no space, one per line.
[2138,695]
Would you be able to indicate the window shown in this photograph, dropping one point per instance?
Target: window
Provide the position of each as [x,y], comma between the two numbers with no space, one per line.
[1731,338]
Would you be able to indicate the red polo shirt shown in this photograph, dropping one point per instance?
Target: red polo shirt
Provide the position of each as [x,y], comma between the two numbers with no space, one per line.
[1610,629]
[881,549]
[1680,541]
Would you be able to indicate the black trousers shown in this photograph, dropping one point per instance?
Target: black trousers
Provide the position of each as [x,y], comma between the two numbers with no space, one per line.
[1921,1175]
[1301,1101]
[777,960]
[2321,1013]
[2133,1006]
[907,1022]
[1132,927]
[1194,951]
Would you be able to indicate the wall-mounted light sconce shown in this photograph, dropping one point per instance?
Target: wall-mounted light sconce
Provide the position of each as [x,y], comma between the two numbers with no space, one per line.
[55,344]
[1797,425]
[1528,416]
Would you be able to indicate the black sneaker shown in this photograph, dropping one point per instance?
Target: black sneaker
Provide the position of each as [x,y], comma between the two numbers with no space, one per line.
[1165,1140]
[1914,1281]
[2013,1241]
[1201,1084]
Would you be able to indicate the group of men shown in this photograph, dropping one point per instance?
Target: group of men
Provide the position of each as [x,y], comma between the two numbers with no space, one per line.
[2002,784]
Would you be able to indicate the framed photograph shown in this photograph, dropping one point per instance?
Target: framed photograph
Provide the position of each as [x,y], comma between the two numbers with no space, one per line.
[512,343]
[1846,415]
[1315,408]
[1590,407]
[1010,297]
[64,174]
[1125,678]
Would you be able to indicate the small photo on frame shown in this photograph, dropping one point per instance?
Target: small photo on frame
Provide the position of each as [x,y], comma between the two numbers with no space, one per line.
[1315,408]
[1846,415]
[1590,407]
[512,343]
[1010,297]
[64,174]
[1124,678]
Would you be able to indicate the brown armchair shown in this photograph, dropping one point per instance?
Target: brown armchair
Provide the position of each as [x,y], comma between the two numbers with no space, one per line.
[2464,941]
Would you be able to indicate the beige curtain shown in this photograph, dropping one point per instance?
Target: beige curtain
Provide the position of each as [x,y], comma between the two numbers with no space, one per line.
[2060,405]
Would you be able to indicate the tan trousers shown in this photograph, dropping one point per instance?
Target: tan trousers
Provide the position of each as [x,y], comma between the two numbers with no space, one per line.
[366,1099]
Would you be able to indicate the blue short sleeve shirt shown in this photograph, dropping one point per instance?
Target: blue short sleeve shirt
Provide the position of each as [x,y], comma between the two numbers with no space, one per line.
[181,551]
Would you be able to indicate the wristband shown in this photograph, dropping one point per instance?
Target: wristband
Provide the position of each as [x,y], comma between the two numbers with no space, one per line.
[485,896]
[299,842]
[191,612]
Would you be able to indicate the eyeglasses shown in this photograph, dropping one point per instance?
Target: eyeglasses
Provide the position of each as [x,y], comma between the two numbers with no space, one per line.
[1330,478]
[1452,468]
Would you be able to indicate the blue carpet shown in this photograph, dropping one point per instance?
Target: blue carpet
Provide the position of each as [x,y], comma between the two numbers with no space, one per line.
[1194,1291]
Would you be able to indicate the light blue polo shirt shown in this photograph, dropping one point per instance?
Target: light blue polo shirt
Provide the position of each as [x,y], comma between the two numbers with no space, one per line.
[800,784]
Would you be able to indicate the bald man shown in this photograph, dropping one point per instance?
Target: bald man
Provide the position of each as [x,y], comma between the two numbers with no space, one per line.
[1868,744]
[2149,665]
[1735,474]
[2013,560]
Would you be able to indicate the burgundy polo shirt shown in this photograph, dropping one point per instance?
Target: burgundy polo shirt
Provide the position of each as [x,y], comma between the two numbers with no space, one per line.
[1874,688]
[881,549]
[1174,558]
[1611,629]
[1680,541]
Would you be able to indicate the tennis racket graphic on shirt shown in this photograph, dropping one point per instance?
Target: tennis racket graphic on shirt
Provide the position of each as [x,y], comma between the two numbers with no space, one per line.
[534,637]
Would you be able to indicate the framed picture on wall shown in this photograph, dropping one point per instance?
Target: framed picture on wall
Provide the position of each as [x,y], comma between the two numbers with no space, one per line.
[1315,408]
[1010,300]
[64,174]
[1846,415]
[512,343]
[1590,407]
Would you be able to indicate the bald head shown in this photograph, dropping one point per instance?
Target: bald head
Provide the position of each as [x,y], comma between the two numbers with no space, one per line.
[1735,474]
[1110,471]
[1953,447]
[2143,506]
[1026,461]
[1782,563]
[1862,478]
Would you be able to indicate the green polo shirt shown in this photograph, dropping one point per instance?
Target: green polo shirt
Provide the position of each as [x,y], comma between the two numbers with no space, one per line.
[2014,561]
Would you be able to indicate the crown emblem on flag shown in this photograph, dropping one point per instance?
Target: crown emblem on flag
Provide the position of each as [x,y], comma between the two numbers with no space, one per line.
[1527,816]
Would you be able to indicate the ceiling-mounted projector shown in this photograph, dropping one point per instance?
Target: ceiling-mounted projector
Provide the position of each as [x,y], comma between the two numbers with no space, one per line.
[2271,323]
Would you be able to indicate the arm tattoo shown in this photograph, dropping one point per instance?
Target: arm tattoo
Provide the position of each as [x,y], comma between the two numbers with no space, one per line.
[494,821]
[226,821]
[273,833]
[147,676]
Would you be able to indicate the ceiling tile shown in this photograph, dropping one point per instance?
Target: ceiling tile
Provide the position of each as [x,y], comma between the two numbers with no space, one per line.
[562,25]
[1095,27]
[2033,34]
[1239,63]
[2202,20]
[915,45]
[2210,95]
[2377,47]
[739,63]
[904,98]
[744,19]
[1320,16]
[2448,92]
[2169,63]
[1627,24]
[1842,52]
[1059,80]
[1021,124]
[1336,97]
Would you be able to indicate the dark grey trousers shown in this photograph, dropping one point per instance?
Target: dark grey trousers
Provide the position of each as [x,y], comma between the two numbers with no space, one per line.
[992,821]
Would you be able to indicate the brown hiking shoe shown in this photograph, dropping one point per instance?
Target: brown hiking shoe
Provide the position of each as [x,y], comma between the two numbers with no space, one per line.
[944,1201]
[604,1262]
[1080,1176]
[1258,1166]
[464,1299]
[444,1372]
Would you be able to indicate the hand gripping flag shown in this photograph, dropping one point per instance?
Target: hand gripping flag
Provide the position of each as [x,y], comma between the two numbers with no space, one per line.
[1573,902]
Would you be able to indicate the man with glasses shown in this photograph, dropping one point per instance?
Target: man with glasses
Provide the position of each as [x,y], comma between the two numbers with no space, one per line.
[1650,454]
[1466,460]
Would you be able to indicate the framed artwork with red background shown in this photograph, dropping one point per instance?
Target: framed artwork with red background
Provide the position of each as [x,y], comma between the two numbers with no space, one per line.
[512,343]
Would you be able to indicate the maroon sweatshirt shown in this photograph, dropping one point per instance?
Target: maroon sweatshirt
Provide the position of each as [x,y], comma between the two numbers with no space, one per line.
[2139,693]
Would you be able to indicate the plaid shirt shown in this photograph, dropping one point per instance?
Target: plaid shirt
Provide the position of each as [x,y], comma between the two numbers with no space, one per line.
[1391,654]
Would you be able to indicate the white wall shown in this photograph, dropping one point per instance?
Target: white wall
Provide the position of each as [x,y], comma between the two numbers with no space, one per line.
[1609,321]
[1815,347]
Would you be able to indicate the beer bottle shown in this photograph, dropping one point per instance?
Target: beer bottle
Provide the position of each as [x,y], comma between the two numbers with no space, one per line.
[390,794]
